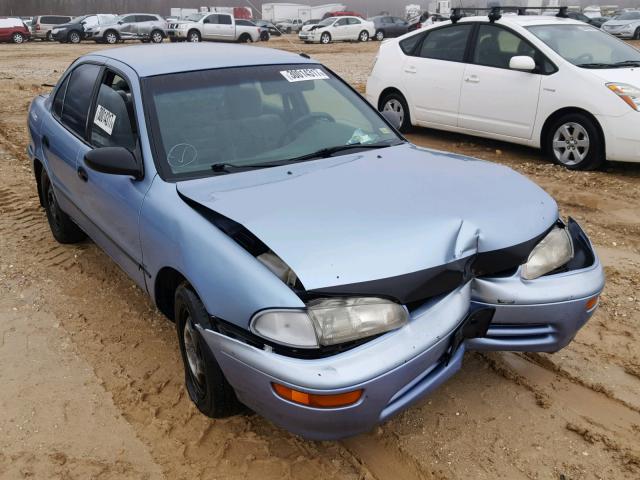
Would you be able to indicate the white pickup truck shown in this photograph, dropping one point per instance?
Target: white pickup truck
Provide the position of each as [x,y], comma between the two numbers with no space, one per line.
[211,26]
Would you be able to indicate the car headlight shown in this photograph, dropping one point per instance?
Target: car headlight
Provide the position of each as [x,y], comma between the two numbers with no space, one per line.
[628,93]
[555,250]
[183,26]
[330,321]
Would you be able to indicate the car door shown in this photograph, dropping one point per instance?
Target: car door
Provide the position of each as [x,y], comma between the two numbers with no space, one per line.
[128,27]
[340,29]
[64,135]
[495,99]
[111,203]
[401,27]
[210,27]
[432,73]
[143,25]
[355,27]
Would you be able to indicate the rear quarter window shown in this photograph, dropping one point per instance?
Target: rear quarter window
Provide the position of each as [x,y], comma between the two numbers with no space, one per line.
[408,45]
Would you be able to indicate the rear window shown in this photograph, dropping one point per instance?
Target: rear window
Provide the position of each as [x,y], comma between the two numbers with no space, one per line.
[54,20]
[408,45]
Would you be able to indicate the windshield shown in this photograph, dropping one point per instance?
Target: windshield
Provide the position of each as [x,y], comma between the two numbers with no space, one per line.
[628,16]
[195,17]
[256,117]
[586,46]
[327,21]
[79,19]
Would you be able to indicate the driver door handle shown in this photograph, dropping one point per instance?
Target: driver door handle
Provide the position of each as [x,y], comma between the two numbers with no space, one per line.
[82,174]
[472,79]
[410,69]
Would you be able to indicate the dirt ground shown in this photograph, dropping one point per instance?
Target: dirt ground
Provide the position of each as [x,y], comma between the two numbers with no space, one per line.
[92,384]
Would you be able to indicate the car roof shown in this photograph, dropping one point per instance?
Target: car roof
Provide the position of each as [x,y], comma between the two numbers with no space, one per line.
[150,60]
[526,20]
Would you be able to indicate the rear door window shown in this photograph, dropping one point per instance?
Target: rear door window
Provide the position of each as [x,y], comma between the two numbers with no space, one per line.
[448,43]
[77,100]
[58,100]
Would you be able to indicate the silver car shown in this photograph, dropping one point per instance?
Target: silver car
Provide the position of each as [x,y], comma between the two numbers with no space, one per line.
[625,25]
[133,26]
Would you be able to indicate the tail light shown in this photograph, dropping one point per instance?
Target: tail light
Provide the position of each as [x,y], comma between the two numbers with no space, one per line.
[37,26]
[418,26]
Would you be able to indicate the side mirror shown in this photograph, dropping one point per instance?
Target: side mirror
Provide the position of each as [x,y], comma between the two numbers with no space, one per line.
[113,160]
[522,63]
[393,118]
[120,22]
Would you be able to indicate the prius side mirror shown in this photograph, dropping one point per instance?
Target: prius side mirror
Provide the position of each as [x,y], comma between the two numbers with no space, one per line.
[522,63]
[393,118]
[114,161]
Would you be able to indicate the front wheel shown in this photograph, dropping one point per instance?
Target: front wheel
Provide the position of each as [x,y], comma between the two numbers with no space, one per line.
[207,387]
[396,102]
[62,227]
[364,36]
[636,36]
[574,141]
[325,38]
[193,36]
[157,36]
[111,37]
[74,37]
[17,38]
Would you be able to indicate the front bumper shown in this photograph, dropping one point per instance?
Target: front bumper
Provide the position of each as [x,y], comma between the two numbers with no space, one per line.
[622,140]
[176,33]
[402,366]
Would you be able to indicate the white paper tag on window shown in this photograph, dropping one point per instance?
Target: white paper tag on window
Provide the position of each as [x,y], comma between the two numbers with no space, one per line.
[105,119]
[304,74]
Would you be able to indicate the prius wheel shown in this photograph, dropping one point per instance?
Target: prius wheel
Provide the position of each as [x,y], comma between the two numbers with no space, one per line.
[62,227]
[380,35]
[325,38]
[17,38]
[364,36]
[74,37]
[575,142]
[156,36]
[205,382]
[193,36]
[396,102]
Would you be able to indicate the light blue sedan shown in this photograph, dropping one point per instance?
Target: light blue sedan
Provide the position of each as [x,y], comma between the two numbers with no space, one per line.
[320,269]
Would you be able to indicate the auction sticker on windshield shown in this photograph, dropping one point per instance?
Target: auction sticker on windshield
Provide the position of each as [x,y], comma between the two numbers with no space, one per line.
[304,74]
[105,119]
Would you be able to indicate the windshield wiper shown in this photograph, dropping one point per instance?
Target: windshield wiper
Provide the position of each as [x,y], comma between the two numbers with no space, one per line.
[230,168]
[329,151]
[626,63]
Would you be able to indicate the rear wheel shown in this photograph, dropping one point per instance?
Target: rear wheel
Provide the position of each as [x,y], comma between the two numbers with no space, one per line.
[49,37]
[396,102]
[245,38]
[62,227]
[17,38]
[74,37]
[574,141]
[205,382]
[364,36]
[111,37]
[380,35]
[193,36]
[157,36]
[636,36]
[325,38]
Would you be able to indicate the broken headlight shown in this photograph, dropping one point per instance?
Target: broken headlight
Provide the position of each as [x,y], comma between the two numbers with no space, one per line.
[555,250]
[330,321]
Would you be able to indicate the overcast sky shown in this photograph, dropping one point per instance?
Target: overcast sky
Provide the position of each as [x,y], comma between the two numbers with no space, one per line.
[367,7]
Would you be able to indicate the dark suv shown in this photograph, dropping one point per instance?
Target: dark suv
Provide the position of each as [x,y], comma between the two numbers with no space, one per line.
[389,26]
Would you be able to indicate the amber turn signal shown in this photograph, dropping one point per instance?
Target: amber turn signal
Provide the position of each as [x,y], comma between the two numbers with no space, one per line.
[315,400]
[591,303]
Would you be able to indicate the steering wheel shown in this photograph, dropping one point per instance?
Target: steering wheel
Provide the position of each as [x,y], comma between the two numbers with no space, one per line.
[588,58]
[305,122]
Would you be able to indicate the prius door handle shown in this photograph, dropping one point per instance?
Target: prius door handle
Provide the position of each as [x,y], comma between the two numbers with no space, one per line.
[410,69]
[472,79]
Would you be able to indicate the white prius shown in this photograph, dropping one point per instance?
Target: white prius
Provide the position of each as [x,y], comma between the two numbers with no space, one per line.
[542,81]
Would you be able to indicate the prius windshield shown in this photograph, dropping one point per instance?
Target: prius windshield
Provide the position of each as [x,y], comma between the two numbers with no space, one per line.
[235,119]
[587,46]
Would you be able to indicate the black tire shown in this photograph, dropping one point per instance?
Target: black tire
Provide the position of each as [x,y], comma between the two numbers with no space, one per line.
[74,37]
[173,39]
[565,142]
[245,38]
[380,35]
[17,38]
[209,389]
[194,36]
[156,36]
[399,100]
[49,37]
[111,37]
[636,36]
[325,38]
[62,227]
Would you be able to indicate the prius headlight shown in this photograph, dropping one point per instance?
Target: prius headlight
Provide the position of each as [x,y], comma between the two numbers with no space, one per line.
[555,250]
[330,321]
[628,93]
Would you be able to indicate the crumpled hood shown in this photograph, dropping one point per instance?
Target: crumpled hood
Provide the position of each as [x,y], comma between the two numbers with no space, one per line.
[379,214]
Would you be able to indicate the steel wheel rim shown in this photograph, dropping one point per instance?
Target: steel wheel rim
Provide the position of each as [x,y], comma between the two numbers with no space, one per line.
[111,38]
[194,38]
[156,37]
[325,38]
[195,362]
[571,144]
[75,38]
[17,38]
[364,36]
[394,105]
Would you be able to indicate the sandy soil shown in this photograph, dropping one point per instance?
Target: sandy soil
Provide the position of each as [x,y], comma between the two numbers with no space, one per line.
[92,385]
